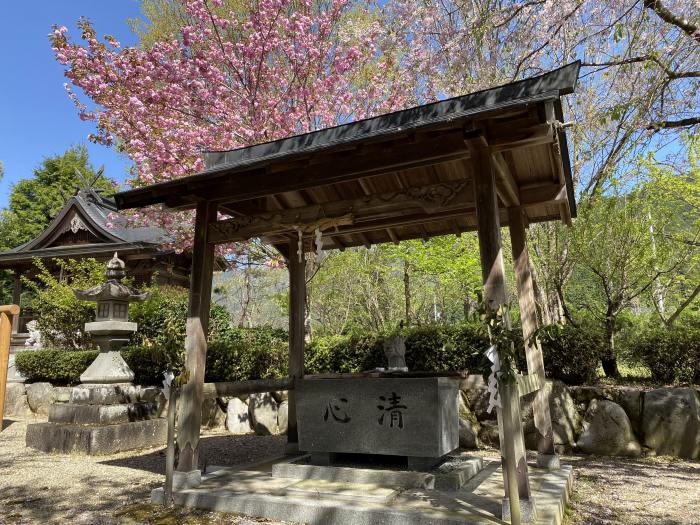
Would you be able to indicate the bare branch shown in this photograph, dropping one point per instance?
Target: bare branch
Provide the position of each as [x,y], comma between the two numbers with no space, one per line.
[679,21]
[669,124]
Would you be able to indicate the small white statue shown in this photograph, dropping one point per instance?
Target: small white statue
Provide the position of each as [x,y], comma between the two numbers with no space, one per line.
[34,340]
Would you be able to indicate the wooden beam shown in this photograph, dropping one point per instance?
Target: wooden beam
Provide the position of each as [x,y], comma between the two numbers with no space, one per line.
[370,161]
[408,220]
[510,139]
[505,183]
[514,459]
[190,417]
[242,388]
[297,311]
[528,318]
[368,189]
[444,196]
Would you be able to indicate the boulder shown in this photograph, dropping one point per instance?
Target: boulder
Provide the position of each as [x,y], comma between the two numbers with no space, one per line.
[488,433]
[629,398]
[212,415]
[237,418]
[671,422]
[468,424]
[16,402]
[566,421]
[607,431]
[40,396]
[469,434]
[280,396]
[263,410]
[476,397]
[283,416]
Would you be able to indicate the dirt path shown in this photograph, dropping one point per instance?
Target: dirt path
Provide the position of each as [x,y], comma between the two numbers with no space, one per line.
[46,489]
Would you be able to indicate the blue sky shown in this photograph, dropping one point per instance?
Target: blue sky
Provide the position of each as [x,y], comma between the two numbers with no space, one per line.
[36,117]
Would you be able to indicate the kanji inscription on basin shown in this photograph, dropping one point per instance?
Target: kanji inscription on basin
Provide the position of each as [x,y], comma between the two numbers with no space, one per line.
[395,416]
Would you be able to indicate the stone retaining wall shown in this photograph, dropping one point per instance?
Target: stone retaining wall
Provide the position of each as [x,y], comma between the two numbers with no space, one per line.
[260,413]
[603,420]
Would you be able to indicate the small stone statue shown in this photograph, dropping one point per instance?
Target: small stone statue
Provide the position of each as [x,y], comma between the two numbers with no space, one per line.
[34,339]
[395,352]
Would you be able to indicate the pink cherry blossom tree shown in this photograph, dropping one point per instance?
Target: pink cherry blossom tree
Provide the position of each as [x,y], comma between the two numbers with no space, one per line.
[229,79]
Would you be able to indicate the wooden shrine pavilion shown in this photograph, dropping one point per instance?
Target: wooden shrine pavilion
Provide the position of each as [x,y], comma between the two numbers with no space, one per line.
[89,226]
[493,158]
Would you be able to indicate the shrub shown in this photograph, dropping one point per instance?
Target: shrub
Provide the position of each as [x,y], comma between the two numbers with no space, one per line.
[672,355]
[59,367]
[571,354]
[247,353]
[431,348]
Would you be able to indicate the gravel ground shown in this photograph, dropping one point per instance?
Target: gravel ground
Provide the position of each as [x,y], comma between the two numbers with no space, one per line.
[57,488]
[46,489]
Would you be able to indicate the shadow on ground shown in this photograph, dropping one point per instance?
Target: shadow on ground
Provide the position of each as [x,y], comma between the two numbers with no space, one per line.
[221,450]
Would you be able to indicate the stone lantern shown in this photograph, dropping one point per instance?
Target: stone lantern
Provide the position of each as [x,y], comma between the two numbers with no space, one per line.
[111,329]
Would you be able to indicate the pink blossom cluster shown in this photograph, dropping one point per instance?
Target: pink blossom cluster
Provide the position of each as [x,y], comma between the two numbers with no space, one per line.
[228,80]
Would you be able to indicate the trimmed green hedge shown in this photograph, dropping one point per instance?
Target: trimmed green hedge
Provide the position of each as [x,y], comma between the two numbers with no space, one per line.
[571,354]
[262,352]
[672,355]
[435,348]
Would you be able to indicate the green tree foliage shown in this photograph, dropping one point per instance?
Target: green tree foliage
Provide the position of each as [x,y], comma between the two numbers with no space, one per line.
[34,201]
[60,316]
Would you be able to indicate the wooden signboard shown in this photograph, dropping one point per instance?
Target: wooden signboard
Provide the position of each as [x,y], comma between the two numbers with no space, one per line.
[6,314]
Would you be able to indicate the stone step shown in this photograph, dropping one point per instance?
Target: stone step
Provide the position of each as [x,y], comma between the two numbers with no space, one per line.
[453,474]
[343,491]
[108,439]
[116,394]
[70,413]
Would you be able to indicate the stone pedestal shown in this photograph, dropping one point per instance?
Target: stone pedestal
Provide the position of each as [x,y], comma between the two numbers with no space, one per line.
[102,419]
[411,417]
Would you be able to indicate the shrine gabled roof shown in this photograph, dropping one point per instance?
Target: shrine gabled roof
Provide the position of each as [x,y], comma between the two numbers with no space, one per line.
[103,227]
[548,86]
[403,175]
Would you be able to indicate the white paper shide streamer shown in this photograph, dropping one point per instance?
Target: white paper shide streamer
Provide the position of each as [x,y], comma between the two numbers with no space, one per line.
[494,394]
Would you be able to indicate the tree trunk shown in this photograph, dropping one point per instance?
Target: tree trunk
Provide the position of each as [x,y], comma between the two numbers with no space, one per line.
[609,360]
[407,291]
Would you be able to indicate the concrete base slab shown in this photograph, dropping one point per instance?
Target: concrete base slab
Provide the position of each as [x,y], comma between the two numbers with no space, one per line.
[252,490]
[453,474]
[186,480]
[341,490]
[548,461]
[109,439]
[528,510]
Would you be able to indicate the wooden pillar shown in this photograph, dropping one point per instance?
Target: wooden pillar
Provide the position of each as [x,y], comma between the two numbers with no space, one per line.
[533,351]
[7,314]
[297,307]
[190,416]
[513,457]
[16,295]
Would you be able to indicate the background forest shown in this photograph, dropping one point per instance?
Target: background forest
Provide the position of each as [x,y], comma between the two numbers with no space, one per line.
[626,270]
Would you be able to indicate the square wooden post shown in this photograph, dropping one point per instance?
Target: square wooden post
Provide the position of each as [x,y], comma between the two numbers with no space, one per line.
[297,307]
[16,297]
[7,314]
[513,456]
[546,455]
[192,395]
